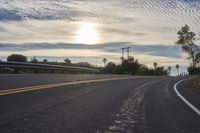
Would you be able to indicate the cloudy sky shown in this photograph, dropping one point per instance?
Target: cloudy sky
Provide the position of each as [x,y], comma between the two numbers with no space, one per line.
[89,30]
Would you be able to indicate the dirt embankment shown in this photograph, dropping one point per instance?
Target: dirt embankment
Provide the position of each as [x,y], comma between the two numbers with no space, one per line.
[194,84]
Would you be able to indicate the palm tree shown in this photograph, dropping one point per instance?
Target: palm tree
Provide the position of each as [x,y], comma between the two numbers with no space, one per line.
[177,67]
[155,65]
[105,61]
[169,69]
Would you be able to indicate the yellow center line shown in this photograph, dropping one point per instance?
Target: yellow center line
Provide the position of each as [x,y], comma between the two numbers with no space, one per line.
[40,87]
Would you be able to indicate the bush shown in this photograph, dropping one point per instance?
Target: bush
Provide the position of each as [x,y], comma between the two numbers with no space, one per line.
[193,70]
[145,71]
[17,58]
[132,67]
[111,68]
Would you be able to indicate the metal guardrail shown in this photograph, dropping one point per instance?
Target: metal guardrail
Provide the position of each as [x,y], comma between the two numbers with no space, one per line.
[20,65]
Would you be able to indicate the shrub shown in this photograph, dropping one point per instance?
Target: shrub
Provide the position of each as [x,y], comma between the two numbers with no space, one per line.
[193,70]
[17,58]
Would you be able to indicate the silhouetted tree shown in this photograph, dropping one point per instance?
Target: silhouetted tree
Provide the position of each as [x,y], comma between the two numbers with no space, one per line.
[34,60]
[129,66]
[155,64]
[121,58]
[105,61]
[160,71]
[17,58]
[133,67]
[169,69]
[67,61]
[186,40]
[83,64]
[197,58]
[177,68]
[111,68]
[193,71]
[145,71]
[45,61]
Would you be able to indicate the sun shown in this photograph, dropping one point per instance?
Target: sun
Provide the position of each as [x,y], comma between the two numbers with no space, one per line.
[87,34]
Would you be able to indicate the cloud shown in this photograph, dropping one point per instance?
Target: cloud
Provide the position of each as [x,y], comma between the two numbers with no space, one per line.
[8,15]
[68,10]
[115,47]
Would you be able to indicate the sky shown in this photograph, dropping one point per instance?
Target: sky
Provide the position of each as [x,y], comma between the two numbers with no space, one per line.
[90,30]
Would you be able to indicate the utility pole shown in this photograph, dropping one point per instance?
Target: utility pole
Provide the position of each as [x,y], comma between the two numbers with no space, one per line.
[122,53]
[128,51]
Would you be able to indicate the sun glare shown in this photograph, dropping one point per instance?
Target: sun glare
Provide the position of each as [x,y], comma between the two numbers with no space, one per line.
[87,34]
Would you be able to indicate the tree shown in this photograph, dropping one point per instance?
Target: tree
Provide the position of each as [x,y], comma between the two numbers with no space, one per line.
[169,69]
[17,58]
[132,66]
[177,68]
[67,61]
[186,40]
[129,66]
[160,71]
[193,71]
[155,65]
[34,60]
[45,61]
[84,64]
[143,70]
[110,68]
[197,58]
[105,61]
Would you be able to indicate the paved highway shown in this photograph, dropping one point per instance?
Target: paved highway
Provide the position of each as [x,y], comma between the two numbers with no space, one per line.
[96,103]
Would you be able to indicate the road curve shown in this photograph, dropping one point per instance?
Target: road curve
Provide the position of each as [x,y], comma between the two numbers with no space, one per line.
[139,104]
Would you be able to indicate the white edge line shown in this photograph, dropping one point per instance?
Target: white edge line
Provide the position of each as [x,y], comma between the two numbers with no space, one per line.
[183,99]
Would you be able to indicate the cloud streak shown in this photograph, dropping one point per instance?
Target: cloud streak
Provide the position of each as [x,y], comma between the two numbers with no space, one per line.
[9,15]
[115,47]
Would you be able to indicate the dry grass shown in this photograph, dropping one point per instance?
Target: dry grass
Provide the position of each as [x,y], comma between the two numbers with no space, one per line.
[194,84]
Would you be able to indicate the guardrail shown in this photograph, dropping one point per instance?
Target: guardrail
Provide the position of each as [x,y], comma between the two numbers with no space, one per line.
[34,66]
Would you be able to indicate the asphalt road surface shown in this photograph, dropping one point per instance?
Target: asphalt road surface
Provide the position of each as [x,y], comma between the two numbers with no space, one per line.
[121,104]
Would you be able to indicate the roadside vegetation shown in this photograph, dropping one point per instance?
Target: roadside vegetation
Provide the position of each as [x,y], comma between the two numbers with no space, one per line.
[194,84]
[186,41]
[66,62]
[129,66]
[132,66]
[23,59]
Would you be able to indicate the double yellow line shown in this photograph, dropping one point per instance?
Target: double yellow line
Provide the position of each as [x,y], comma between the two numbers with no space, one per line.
[41,87]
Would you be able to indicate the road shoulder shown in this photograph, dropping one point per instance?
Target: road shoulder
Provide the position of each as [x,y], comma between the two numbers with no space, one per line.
[188,93]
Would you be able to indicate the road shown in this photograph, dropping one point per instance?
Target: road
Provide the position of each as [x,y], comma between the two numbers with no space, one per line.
[122,104]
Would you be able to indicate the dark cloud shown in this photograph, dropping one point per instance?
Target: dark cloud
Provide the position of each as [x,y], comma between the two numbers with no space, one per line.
[7,15]
[115,47]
